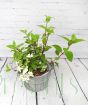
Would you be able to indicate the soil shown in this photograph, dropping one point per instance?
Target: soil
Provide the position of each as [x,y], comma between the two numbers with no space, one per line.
[38,73]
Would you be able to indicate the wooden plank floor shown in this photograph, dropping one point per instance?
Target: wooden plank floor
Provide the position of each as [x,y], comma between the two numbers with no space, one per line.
[68,85]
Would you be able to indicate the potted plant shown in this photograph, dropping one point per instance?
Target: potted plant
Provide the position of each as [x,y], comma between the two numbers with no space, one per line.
[33,67]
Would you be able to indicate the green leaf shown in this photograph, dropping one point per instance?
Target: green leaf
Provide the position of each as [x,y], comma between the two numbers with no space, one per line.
[57,52]
[74,40]
[42,26]
[24,31]
[33,65]
[37,36]
[47,48]
[44,40]
[70,42]
[8,68]
[34,37]
[66,38]
[73,37]
[10,46]
[68,54]
[14,43]
[79,40]
[58,49]
[20,45]
[43,58]
[50,30]
[48,19]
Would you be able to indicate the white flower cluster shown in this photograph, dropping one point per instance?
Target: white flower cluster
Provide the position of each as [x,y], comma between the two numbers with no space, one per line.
[30,55]
[25,76]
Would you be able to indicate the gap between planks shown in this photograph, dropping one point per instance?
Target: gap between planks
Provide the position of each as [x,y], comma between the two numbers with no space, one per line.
[72,73]
[77,79]
[65,69]
[84,63]
[59,87]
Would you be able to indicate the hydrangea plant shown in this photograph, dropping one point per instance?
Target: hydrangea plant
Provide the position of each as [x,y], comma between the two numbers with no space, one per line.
[30,56]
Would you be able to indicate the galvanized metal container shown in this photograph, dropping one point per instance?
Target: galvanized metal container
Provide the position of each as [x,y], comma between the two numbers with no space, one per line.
[39,83]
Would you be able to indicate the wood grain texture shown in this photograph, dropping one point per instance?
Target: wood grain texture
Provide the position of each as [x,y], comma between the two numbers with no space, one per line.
[12,92]
[81,75]
[71,16]
[72,94]
[84,62]
[2,63]
[7,85]
[70,75]
[51,95]
[23,96]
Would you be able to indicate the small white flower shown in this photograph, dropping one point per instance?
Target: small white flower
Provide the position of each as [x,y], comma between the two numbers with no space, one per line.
[16,63]
[25,70]
[24,49]
[19,68]
[30,55]
[40,62]
[24,77]
[30,74]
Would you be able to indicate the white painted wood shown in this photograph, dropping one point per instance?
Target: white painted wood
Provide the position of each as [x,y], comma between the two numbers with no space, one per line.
[85,62]
[71,92]
[11,90]
[23,96]
[7,85]
[51,95]
[2,60]
[81,74]
[6,0]
[71,16]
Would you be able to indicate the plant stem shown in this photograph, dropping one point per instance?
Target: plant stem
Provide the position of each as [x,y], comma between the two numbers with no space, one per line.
[63,52]
[45,34]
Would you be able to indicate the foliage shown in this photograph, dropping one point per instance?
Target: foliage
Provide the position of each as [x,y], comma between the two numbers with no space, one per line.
[30,55]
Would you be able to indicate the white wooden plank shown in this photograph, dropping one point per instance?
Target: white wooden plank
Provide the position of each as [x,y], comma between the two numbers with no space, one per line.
[19,94]
[81,74]
[13,18]
[2,62]
[30,97]
[84,62]
[71,92]
[5,0]
[51,95]
[51,1]
[22,96]
[7,85]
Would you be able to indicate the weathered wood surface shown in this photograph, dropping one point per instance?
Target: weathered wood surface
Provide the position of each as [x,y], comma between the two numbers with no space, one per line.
[68,85]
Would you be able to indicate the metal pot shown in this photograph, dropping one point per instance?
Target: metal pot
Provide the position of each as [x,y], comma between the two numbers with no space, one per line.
[39,83]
